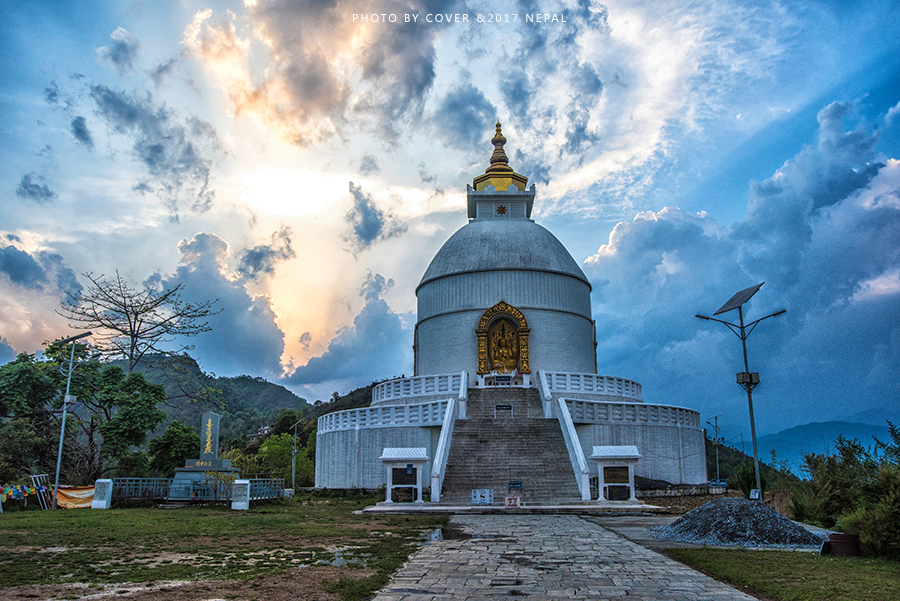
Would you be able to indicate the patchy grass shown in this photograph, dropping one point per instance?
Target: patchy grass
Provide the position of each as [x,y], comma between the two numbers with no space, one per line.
[146,544]
[797,576]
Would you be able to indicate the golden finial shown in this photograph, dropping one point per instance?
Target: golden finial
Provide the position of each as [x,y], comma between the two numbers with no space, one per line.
[499,160]
[499,174]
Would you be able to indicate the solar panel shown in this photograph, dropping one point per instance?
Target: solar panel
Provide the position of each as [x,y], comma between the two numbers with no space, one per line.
[739,298]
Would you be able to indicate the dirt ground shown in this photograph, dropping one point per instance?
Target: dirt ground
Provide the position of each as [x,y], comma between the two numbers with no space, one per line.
[293,585]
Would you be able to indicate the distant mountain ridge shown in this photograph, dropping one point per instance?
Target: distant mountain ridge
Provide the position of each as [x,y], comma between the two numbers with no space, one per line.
[246,403]
[817,437]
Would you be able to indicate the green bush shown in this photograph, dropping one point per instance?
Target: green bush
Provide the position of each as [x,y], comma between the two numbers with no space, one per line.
[744,479]
[877,519]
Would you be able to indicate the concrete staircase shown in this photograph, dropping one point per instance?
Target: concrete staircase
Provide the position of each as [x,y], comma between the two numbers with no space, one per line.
[496,446]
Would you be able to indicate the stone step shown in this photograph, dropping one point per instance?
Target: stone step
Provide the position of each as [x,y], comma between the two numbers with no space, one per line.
[492,448]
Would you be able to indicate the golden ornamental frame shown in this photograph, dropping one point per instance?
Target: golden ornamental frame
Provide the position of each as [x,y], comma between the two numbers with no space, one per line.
[502,308]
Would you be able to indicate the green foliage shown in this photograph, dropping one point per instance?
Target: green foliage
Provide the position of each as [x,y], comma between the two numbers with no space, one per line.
[854,491]
[891,449]
[114,411]
[796,576]
[135,464]
[169,450]
[744,479]
[877,518]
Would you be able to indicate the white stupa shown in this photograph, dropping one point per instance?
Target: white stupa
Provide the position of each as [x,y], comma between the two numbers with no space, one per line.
[506,397]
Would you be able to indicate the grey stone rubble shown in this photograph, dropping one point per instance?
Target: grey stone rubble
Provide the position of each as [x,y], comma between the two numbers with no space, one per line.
[545,557]
[737,522]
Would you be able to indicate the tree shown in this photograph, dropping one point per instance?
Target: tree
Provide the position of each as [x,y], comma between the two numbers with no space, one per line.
[114,410]
[172,447]
[133,322]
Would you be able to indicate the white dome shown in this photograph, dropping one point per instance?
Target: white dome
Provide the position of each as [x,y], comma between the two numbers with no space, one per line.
[502,245]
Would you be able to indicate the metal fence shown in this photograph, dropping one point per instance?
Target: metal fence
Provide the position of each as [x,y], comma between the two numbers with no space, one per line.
[169,489]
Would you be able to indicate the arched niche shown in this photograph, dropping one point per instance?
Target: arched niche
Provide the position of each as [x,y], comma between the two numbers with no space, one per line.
[503,340]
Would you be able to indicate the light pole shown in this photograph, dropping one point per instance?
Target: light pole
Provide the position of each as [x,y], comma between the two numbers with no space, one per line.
[294,459]
[715,425]
[746,380]
[62,430]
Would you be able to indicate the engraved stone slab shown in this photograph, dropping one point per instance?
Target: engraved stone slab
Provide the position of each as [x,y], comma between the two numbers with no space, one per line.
[102,494]
[240,495]
[209,437]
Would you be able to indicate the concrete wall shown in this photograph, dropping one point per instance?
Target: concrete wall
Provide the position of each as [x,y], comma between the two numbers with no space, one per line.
[669,452]
[557,342]
[350,458]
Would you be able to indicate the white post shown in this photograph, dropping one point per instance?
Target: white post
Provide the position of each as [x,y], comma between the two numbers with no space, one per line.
[632,496]
[390,482]
[418,469]
[600,482]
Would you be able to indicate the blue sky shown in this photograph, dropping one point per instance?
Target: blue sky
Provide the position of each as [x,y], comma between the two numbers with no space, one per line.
[303,166]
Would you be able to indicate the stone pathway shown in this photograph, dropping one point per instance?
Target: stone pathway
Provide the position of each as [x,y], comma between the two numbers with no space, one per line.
[546,557]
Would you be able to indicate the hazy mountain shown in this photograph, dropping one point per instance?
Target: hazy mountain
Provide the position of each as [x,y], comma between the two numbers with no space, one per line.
[818,437]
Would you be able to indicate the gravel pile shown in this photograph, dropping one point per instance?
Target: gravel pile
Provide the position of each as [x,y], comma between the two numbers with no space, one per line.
[736,521]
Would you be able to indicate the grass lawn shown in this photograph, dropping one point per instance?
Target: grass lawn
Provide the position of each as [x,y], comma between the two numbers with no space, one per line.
[208,543]
[797,576]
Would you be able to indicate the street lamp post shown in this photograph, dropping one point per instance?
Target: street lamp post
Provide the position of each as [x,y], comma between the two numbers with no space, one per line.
[294,459]
[62,430]
[715,425]
[746,380]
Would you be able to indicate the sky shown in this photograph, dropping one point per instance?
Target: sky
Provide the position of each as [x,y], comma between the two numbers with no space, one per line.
[302,162]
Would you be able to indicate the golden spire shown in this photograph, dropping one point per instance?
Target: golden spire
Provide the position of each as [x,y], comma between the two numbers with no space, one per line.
[499,174]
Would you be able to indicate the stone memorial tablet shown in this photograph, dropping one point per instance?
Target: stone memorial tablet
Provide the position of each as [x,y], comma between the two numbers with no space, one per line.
[102,494]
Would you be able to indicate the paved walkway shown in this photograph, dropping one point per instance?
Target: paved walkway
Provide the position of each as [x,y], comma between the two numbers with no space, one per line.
[546,557]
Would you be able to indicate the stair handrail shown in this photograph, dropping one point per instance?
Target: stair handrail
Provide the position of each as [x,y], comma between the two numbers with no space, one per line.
[576,454]
[439,465]
[463,393]
[546,394]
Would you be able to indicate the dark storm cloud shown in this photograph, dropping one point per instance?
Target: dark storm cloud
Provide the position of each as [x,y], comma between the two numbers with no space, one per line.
[367,223]
[163,70]
[368,165]
[81,132]
[376,344]
[261,260]
[245,337]
[122,52]
[179,156]
[51,93]
[40,271]
[305,340]
[34,187]
[823,233]
[375,286]
[464,117]
[306,88]
[7,353]
[21,268]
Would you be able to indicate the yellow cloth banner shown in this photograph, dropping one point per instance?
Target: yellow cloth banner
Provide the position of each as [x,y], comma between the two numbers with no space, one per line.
[75,497]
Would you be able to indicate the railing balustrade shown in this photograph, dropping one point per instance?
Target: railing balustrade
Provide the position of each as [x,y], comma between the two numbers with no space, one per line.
[591,412]
[416,386]
[439,465]
[561,382]
[576,453]
[161,489]
[423,414]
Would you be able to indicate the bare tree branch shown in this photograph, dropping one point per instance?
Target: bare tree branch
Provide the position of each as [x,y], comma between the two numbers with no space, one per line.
[129,323]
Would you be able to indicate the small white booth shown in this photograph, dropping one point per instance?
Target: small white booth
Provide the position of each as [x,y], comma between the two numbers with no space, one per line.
[615,465]
[404,473]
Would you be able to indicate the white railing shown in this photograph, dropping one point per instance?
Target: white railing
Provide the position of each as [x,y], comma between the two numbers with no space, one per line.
[417,386]
[576,453]
[439,465]
[546,395]
[423,414]
[593,412]
[562,382]
[463,393]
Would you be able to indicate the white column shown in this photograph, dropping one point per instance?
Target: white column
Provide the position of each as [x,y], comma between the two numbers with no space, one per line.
[390,482]
[419,483]
[600,483]
[631,481]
